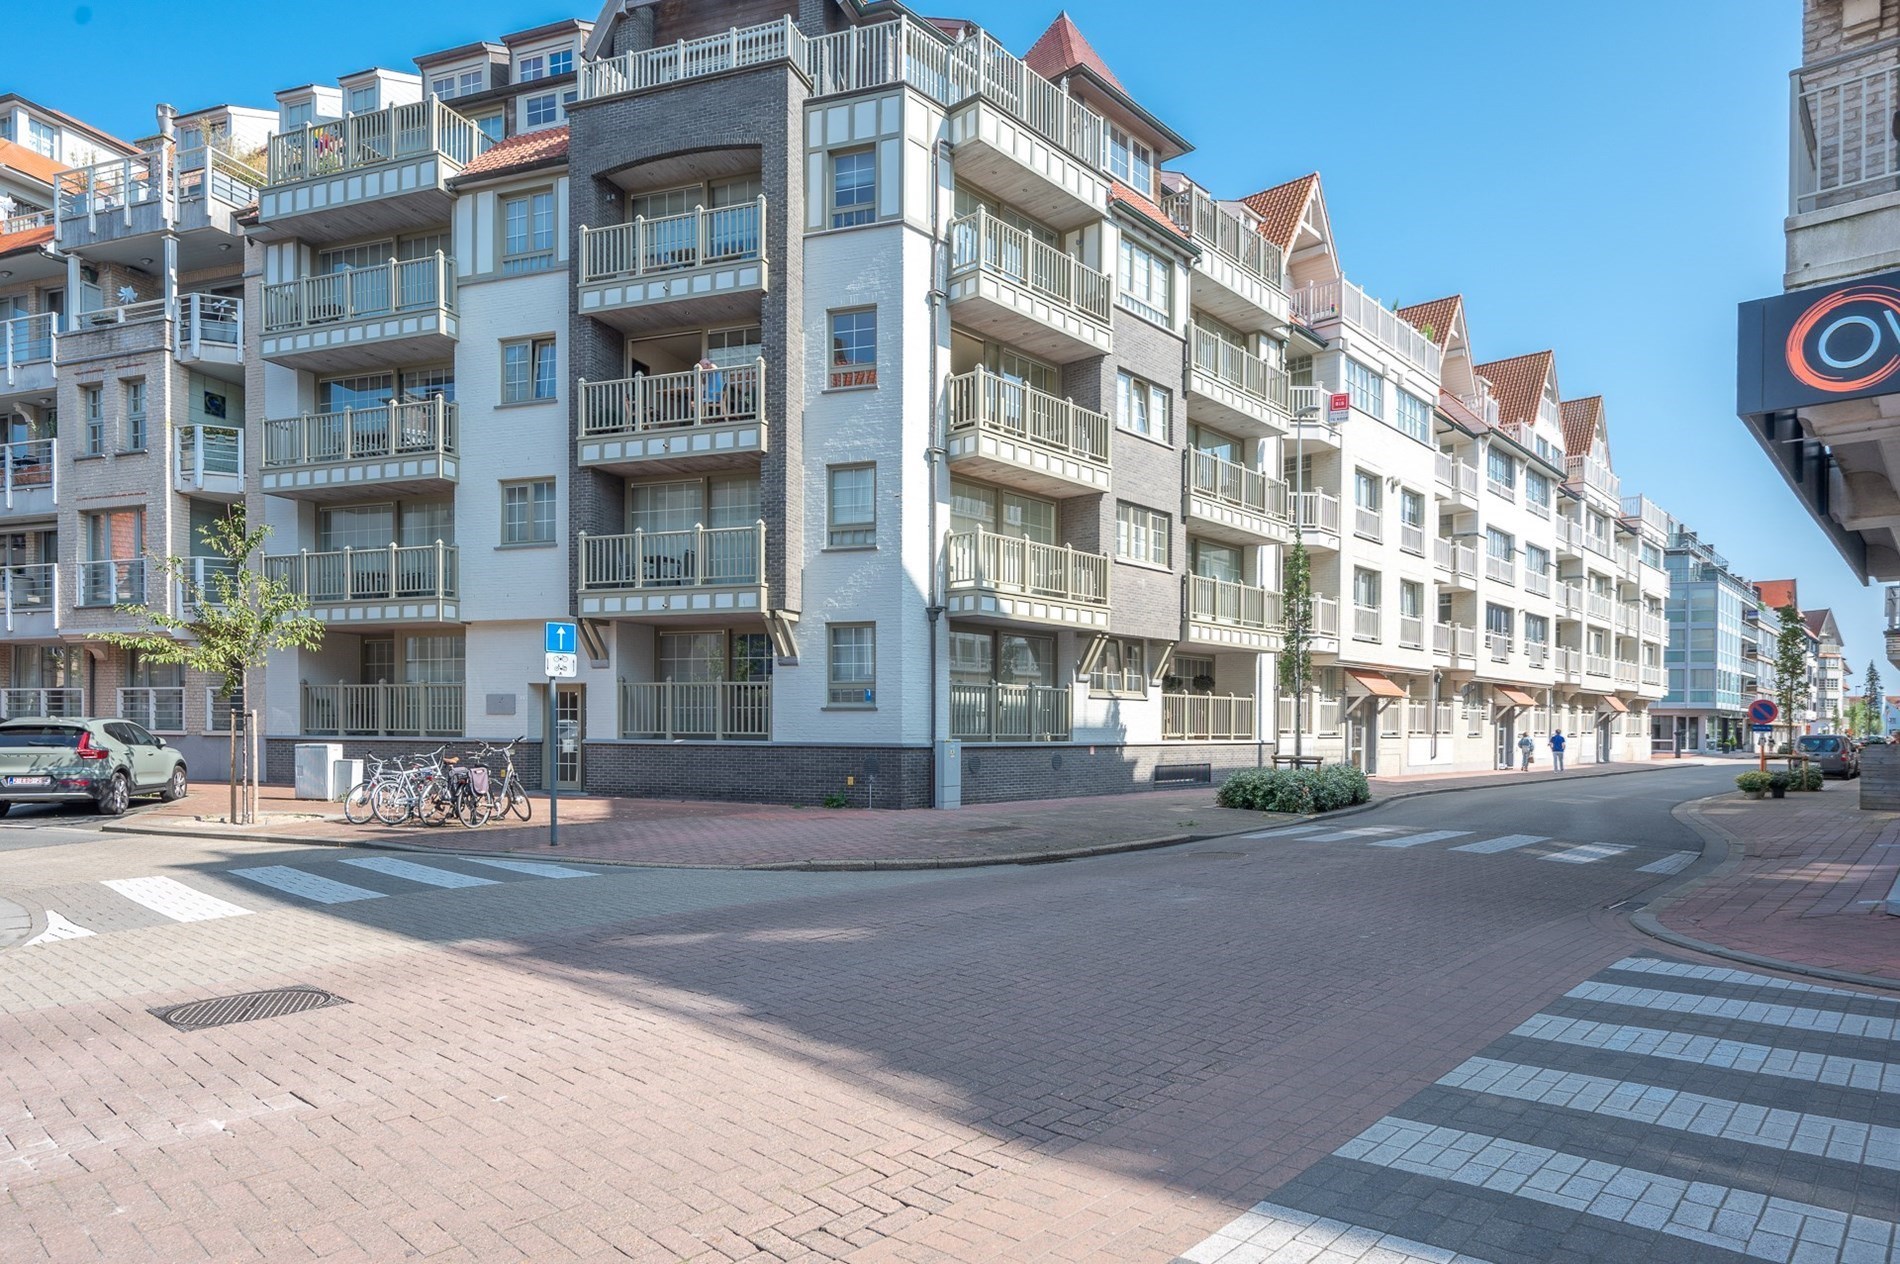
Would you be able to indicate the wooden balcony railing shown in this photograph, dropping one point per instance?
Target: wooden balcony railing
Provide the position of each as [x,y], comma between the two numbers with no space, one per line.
[1231,234]
[1002,405]
[1237,605]
[392,573]
[1239,368]
[383,289]
[1322,301]
[1232,483]
[673,243]
[411,130]
[1006,563]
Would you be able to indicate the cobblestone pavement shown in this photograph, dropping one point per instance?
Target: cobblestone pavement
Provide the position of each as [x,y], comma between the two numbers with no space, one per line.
[1111,1059]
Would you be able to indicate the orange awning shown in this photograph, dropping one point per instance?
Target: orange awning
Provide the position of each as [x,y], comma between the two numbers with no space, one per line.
[1614,703]
[1514,697]
[1378,684]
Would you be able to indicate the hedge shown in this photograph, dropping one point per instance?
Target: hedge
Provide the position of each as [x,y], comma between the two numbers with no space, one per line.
[1295,789]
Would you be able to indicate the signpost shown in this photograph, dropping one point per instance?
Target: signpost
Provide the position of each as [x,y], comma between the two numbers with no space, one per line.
[563,663]
[1761,719]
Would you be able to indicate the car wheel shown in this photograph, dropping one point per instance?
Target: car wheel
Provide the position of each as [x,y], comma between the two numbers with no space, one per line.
[176,788]
[6,805]
[113,799]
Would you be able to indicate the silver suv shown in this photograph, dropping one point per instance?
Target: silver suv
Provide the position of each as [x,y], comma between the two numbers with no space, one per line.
[1833,754]
[49,759]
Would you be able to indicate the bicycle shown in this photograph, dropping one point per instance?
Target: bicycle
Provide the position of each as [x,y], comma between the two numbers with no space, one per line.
[359,803]
[469,797]
[421,792]
[505,792]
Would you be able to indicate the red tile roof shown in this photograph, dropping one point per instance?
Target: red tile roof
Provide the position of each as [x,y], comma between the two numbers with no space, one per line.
[1119,192]
[1282,207]
[31,239]
[1519,384]
[1436,316]
[530,149]
[1776,593]
[29,163]
[1062,48]
[1581,418]
[1463,417]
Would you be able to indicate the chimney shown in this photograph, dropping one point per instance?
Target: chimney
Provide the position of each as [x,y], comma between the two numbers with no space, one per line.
[167,122]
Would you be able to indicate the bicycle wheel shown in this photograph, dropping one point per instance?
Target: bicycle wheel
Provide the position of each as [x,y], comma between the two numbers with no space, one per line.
[435,804]
[392,803]
[518,801]
[357,804]
[471,809]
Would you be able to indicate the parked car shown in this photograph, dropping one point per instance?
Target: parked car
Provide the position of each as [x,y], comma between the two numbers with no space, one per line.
[45,759]
[1834,755]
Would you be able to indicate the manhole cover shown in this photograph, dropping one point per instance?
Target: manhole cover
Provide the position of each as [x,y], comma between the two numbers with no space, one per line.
[222,1011]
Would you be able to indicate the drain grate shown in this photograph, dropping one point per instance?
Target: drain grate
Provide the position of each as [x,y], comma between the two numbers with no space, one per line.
[222,1011]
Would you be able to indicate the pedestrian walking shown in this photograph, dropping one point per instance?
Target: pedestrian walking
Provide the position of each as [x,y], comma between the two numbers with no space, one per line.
[1526,748]
[1557,751]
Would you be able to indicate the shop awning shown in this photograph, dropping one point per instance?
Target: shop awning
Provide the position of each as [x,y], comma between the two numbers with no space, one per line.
[1615,704]
[1377,684]
[1513,697]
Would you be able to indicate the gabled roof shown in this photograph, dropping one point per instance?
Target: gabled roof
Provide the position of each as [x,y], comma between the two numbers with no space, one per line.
[520,153]
[1119,192]
[29,163]
[1458,414]
[1281,209]
[1776,593]
[1518,384]
[1063,48]
[1581,419]
[1437,316]
[1816,619]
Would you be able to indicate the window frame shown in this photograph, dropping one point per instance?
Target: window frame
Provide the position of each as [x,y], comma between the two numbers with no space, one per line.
[1372,388]
[853,374]
[1157,530]
[1157,275]
[839,214]
[1103,684]
[133,432]
[535,345]
[541,102]
[92,399]
[536,258]
[532,518]
[1418,425]
[865,685]
[856,533]
[1153,397]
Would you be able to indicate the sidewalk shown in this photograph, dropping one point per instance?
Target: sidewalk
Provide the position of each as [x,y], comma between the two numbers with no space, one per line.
[1803,883]
[706,834]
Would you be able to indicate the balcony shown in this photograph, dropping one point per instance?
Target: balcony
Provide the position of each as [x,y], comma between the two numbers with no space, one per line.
[1010,579]
[1457,480]
[1589,476]
[21,704]
[1009,713]
[1198,717]
[1239,276]
[407,583]
[995,150]
[697,572]
[1537,654]
[663,423]
[194,193]
[158,709]
[696,710]
[27,350]
[367,175]
[1596,665]
[208,461]
[1500,569]
[1329,302]
[1569,538]
[1652,677]
[1628,619]
[383,710]
[1628,673]
[1497,646]
[1008,432]
[1655,627]
[1230,387]
[383,316]
[1008,286]
[29,477]
[402,449]
[703,267]
[1569,665]
[29,595]
[1598,607]
[1316,513]
[1536,582]
[1368,524]
[208,334]
[1228,501]
[1226,615]
[111,582]
[1367,624]
[1411,632]
[1456,563]
[1642,512]
[726,51]
[203,583]
[1309,428]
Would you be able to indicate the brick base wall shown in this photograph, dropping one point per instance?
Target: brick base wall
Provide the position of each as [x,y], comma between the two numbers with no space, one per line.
[280,754]
[999,774]
[883,776]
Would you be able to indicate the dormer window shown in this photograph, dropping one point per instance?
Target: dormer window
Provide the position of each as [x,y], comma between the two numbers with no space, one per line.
[42,138]
[1131,162]
[561,61]
[454,84]
[298,115]
[363,100]
[544,65]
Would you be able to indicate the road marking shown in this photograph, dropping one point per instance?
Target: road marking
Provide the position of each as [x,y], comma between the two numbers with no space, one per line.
[306,885]
[1288,833]
[1719,1215]
[1722,974]
[1712,1051]
[419,873]
[1419,840]
[1340,836]
[1587,854]
[1793,1017]
[171,898]
[57,927]
[1675,862]
[1269,1228]
[1508,842]
[1870,1145]
[542,870]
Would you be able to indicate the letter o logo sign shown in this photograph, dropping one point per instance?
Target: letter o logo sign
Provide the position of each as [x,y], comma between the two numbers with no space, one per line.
[1847,341]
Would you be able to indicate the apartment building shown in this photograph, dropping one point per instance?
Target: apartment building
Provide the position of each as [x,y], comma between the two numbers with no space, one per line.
[1823,671]
[1716,659]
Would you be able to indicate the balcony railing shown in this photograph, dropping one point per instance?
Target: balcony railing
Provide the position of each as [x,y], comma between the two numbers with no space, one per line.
[1009,713]
[1367,523]
[413,130]
[1230,234]
[1411,632]
[1569,534]
[25,222]
[1365,623]
[162,177]
[419,428]
[697,710]
[1239,368]
[1454,640]
[383,289]
[1843,147]
[981,243]
[1412,538]
[1627,672]
[1584,471]
[732,49]
[1537,580]
[159,709]
[1648,512]
[1652,675]
[112,582]
[205,582]
[1007,563]
[697,238]
[1537,653]
[209,322]
[32,588]
[29,465]
[1598,606]
[1460,476]
[1234,484]
[1569,663]
[383,710]
[208,452]
[1596,664]
[1001,405]
[1455,556]
[1317,511]
[670,401]
[1199,717]
[18,704]
[1322,301]
[1325,617]
[1655,627]
[1498,646]
[394,573]
[27,340]
[1499,568]
[1570,600]
[1239,605]
[696,557]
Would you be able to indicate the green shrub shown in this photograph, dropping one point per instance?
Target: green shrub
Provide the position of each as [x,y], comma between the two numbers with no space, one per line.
[1339,786]
[1297,790]
[1753,782]
[1807,777]
[1779,781]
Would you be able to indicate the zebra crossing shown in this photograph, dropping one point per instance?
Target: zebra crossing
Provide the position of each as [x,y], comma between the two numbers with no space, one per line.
[1476,843]
[1661,1110]
[82,910]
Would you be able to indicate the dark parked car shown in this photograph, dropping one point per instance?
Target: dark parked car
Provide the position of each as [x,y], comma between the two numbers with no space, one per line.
[1835,756]
[71,760]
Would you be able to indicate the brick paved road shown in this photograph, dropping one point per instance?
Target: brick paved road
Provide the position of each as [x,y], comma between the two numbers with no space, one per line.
[1107,1060]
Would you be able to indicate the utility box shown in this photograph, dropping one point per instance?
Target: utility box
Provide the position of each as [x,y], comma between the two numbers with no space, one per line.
[947,776]
[316,770]
[344,774]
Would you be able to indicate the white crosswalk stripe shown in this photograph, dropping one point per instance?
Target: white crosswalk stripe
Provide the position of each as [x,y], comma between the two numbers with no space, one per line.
[57,928]
[1418,840]
[1509,842]
[429,875]
[1287,833]
[538,868]
[307,886]
[1588,854]
[171,898]
[1675,862]
[1271,1232]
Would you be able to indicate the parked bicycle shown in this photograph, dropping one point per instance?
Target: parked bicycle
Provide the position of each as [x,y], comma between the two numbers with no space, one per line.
[429,789]
[505,791]
[421,792]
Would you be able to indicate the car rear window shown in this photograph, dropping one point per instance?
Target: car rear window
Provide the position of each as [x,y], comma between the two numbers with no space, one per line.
[41,735]
[1820,743]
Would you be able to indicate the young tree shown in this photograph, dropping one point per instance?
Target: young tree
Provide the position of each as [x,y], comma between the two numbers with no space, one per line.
[1296,655]
[1791,667]
[226,627]
[1876,704]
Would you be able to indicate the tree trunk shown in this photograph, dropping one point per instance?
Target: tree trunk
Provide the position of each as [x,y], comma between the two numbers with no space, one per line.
[233,765]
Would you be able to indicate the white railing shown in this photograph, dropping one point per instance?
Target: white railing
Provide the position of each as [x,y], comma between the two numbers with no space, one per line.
[383,710]
[1461,477]
[17,704]
[1317,511]
[1366,623]
[1570,599]
[1412,538]
[1627,619]
[1841,135]
[1499,488]
[30,588]
[703,710]
[111,582]
[1569,663]
[397,132]
[1234,484]
[1482,401]
[1007,406]
[1454,640]
[1569,534]
[1006,563]
[1455,556]
[732,49]
[1589,472]
[208,320]
[1368,523]
[1627,672]
[214,451]
[1201,717]
[1498,646]
[1537,653]
[1411,631]
[419,428]
[666,401]
[1232,235]
[673,243]
[1238,367]
[982,243]
[1537,581]
[1647,511]
[1596,664]
[1598,606]
[382,289]
[1325,617]
[161,709]
[1009,713]
[1320,301]
[395,572]
[1228,602]
[1655,627]
[27,340]
[1500,569]
[696,557]
[1652,675]
[29,465]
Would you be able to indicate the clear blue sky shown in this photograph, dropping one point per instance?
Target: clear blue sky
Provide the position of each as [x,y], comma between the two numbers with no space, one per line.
[1605,178]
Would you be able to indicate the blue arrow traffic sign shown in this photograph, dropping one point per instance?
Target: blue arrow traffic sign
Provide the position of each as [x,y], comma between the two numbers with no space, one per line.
[563,638]
[1760,711]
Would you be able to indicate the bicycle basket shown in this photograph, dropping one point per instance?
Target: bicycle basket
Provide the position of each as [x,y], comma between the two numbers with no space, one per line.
[478,779]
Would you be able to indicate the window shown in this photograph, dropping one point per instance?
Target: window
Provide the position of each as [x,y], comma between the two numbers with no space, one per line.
[1499,544]
[6,127]
[1143,408]
[132,439]
[1536,629]
[853,188]
[853,349]
[527,512]
[1365,588]
[561,62]
[527,232]
[1500,469]
[1411,614]
[493,126]
[851,503]
[1414,417]
[527,370]
[1536,560]
[543,109]
[531,68]
[1498,619]
[1536,490]
[1121,669]
[1130,161]
[443,87]
[974,506]
[1366,388]
[362,100]
[1367,494]
[95,401]
[299,115]
[440,659]
[1412,521]
[1147,282]
[852,665]
[42,138]
[1141,535]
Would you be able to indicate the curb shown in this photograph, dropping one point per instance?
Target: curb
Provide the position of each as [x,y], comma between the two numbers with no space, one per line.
[1727,852]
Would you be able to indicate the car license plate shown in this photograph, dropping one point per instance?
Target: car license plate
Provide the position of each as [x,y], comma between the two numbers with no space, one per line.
[29,781]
